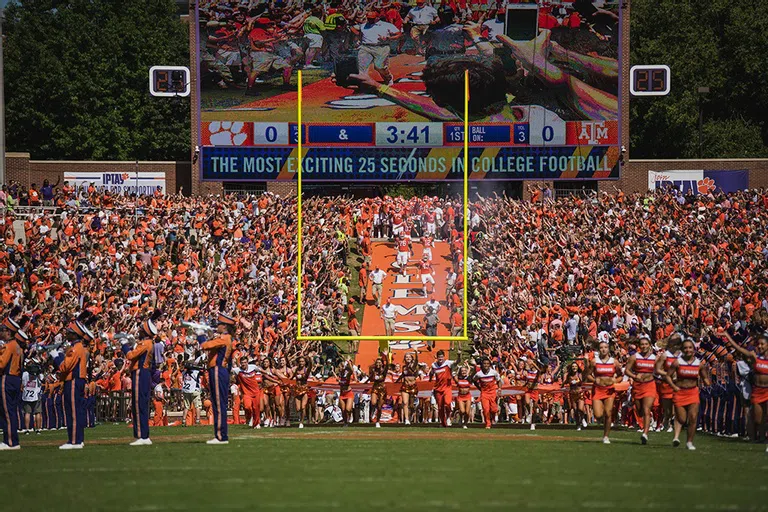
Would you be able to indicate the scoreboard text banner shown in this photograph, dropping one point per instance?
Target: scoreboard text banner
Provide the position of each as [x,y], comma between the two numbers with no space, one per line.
[384,164]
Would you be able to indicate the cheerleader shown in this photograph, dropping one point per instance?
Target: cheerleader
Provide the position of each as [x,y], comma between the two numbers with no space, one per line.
[664,389]
[683,377]
[377,375]
[603,372]
[758,360]
[273,393]
[641,368]
[409,390]
[301,375]
[345,376]
[573,378]
[464,398]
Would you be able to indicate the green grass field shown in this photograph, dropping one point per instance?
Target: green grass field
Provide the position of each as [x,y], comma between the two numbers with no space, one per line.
[361,468]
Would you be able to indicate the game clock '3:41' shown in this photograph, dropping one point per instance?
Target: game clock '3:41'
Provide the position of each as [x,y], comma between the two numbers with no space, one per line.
[409,134]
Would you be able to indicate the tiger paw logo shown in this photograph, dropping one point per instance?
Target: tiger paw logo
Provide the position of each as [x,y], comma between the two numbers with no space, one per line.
[125,176]
[706,186]
[227,133]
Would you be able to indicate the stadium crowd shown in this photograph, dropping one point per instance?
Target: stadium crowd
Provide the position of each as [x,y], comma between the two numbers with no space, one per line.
[550,280]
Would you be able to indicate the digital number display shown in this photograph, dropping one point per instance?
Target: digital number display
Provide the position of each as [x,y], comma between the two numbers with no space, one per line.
[409,134]
[650,80]
[169,81]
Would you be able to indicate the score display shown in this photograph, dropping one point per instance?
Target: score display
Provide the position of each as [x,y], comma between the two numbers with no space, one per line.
[165,81]
[650,80]
[417,135]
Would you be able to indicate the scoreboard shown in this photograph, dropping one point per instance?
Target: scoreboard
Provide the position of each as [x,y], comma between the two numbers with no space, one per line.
[566,127]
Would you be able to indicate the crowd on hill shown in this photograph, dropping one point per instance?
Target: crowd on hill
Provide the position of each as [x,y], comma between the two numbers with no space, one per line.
[549,280]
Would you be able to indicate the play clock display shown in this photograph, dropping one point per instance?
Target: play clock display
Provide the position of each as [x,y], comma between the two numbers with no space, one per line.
[169,81]
[650,80]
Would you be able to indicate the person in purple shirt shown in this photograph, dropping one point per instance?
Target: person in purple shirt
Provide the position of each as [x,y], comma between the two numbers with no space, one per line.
[47,192]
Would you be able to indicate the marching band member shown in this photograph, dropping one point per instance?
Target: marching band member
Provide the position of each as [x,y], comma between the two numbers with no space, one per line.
[219,351]
[686,369]
[73,370]
[758,360]
[11,362]
[641,368]
[141,360]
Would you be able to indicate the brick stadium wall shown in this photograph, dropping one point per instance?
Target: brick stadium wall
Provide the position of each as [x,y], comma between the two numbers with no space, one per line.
[635,176]
[20,168]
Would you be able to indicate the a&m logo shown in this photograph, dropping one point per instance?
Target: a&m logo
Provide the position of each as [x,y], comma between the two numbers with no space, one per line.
[593,132]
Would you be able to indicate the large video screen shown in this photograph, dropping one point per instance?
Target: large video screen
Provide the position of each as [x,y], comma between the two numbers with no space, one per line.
[383,89]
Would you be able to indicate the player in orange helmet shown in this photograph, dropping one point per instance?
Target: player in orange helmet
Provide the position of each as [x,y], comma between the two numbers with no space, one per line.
[683,376]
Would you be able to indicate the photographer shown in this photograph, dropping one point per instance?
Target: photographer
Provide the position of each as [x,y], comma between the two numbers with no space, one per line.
[190,390]
[31,394]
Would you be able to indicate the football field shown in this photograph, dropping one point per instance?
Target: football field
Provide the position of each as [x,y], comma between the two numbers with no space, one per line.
[361,468]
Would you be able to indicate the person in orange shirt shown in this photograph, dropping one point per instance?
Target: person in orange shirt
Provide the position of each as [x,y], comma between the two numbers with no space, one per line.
[249,379]
[219,352]
[159,401]
[487,381]
[441,372]
[141,360]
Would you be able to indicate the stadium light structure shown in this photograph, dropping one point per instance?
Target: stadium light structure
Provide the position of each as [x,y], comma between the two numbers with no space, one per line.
[464,311]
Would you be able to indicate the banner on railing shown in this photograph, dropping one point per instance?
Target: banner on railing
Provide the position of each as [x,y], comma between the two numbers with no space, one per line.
[700,182]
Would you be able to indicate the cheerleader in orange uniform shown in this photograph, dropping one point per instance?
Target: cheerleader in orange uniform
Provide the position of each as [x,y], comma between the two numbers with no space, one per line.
[603,371]
[464,398]
[273,393]
[663,388]
[487,381]
[301,390]
[758,360]
[377,375]
[573,379]
[683,377]
[345,376]
[409,390]
[641,368]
